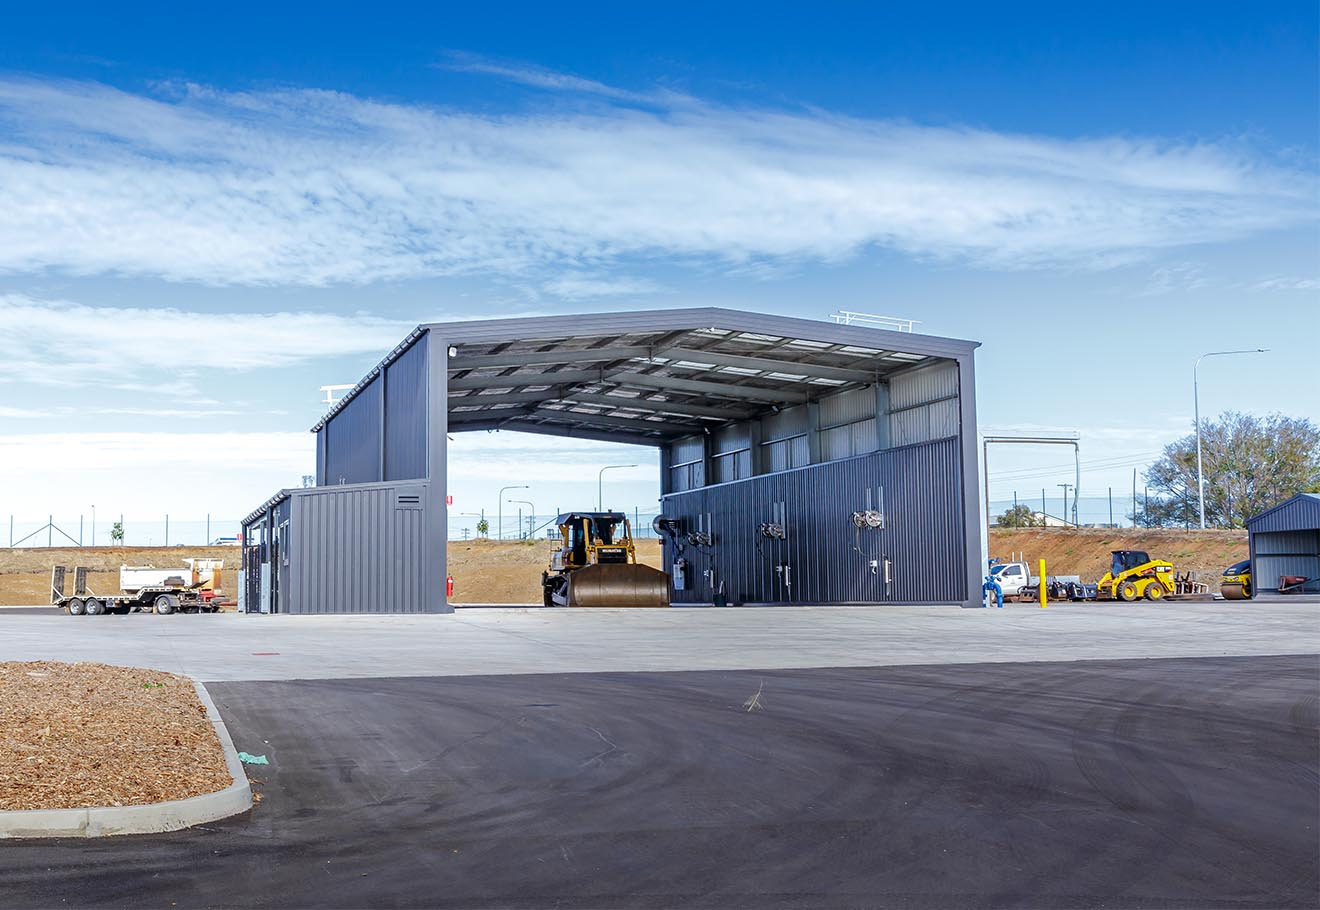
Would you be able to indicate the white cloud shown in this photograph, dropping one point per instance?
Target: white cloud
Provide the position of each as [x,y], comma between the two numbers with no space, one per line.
[37,337]
[579,286]
[1285,283]
[192,474]
[1177,276]
[540,77]
[316,187]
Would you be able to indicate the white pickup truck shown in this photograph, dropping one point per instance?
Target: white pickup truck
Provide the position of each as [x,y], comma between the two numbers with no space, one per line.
[1014,576]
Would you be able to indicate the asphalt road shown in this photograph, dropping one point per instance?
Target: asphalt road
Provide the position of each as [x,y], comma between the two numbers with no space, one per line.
[1155,783]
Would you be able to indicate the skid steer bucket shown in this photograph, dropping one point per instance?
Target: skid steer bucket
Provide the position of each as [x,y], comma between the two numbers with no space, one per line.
[620,585]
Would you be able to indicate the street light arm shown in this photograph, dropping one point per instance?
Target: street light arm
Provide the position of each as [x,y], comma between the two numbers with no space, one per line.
[600,482]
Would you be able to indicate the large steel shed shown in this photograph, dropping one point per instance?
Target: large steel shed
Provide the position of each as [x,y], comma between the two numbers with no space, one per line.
[1285,540]
[802,461]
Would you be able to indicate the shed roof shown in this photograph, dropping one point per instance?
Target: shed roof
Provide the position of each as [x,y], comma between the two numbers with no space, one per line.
[655,375]
[1301,513]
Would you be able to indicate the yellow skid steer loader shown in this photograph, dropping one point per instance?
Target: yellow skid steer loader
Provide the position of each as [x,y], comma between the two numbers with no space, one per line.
[1134,575]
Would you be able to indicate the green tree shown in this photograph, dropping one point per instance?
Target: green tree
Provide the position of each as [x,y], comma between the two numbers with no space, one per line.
[1019,516]
[1250,464]
[483,528]
[117,532]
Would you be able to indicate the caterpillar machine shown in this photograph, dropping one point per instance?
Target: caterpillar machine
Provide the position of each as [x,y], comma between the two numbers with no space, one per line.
[596,565]
[1134,575]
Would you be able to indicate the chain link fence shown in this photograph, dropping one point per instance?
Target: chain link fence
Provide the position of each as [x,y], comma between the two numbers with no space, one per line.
[120,530]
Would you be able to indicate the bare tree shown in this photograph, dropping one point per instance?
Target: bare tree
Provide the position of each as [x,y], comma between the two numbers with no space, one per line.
[1250,464]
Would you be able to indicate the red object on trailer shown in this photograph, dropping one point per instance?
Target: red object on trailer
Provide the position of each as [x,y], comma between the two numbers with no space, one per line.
[449,586]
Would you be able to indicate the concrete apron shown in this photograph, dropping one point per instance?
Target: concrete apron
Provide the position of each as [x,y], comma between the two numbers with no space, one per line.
[100,821]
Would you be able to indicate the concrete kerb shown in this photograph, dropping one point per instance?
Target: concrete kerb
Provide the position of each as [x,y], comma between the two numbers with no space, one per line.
[155,818]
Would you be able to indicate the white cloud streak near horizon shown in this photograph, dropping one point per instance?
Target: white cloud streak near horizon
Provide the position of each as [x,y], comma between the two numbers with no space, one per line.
[111,340]
[301,186]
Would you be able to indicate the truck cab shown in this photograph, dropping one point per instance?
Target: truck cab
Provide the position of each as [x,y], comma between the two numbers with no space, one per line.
[1012,577]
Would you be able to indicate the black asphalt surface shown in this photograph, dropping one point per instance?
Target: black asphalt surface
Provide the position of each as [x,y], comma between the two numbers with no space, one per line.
[1158,783]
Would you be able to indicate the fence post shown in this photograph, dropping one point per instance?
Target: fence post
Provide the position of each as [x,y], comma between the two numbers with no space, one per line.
[208,529]
[11,532]
[50,531]
[1111,507]
[167,530]
[80,526]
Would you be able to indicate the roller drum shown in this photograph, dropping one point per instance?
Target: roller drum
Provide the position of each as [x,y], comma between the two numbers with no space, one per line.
[1233,592]
[618,586]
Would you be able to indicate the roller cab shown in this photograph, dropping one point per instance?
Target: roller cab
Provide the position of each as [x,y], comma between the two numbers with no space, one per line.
[1235,583]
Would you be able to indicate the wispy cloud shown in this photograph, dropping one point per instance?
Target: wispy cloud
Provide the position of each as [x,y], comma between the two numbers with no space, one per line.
[1177,276]
[551,80]
[580,286]
[1287,283]
[317,187]
[37,336]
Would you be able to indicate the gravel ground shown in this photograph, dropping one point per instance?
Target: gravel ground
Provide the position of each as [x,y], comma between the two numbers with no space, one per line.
[79,735]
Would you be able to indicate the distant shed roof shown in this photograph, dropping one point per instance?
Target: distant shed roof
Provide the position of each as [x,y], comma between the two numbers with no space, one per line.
[1301,513]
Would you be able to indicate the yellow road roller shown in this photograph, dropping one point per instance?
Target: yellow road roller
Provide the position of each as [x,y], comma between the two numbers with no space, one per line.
[1235,583]
[596,565]
[1133,575]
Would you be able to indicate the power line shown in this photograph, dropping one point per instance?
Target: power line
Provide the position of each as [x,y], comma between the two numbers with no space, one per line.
[1099,464]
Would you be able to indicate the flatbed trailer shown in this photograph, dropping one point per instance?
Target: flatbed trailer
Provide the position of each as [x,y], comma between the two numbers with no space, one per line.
[162,599]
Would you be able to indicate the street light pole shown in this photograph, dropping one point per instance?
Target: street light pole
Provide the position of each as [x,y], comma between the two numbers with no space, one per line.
[600,483]
[1196,411]
[525,503]
[522,486]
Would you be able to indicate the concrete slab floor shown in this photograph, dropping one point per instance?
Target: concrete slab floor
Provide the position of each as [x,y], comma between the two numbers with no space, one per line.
[240,647]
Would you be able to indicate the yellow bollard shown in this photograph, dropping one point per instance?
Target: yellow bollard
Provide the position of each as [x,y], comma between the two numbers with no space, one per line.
[1044,597]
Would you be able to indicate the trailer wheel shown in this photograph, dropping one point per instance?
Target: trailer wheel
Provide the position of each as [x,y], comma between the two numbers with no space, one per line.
[1155,591]
[94,607]
[1127,592]
[165,604]
[76,607]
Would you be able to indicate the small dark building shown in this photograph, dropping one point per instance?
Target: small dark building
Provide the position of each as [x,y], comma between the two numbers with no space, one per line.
[1285,540]
[802,462]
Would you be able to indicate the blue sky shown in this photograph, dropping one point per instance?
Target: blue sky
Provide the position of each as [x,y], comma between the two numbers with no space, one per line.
[1096,194]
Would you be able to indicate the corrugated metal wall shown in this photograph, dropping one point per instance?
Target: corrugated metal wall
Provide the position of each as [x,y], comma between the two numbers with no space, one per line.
[917,487]
[687,470]
[1284,553]
[917,406]
[731,453]
[785,440]
[357,550]
[1267,569]
[352,442]
[923,404]
[405,414]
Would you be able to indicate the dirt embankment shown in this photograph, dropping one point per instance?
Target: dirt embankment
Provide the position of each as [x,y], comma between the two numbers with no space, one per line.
[25,571]
[509,572]
[1086,551]
[484,571]
[487,571]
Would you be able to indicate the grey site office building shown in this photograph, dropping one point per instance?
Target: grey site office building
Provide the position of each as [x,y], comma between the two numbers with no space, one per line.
[802,461]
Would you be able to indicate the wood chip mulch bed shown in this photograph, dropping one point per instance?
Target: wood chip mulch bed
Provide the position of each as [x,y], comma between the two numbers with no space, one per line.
[74,736]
